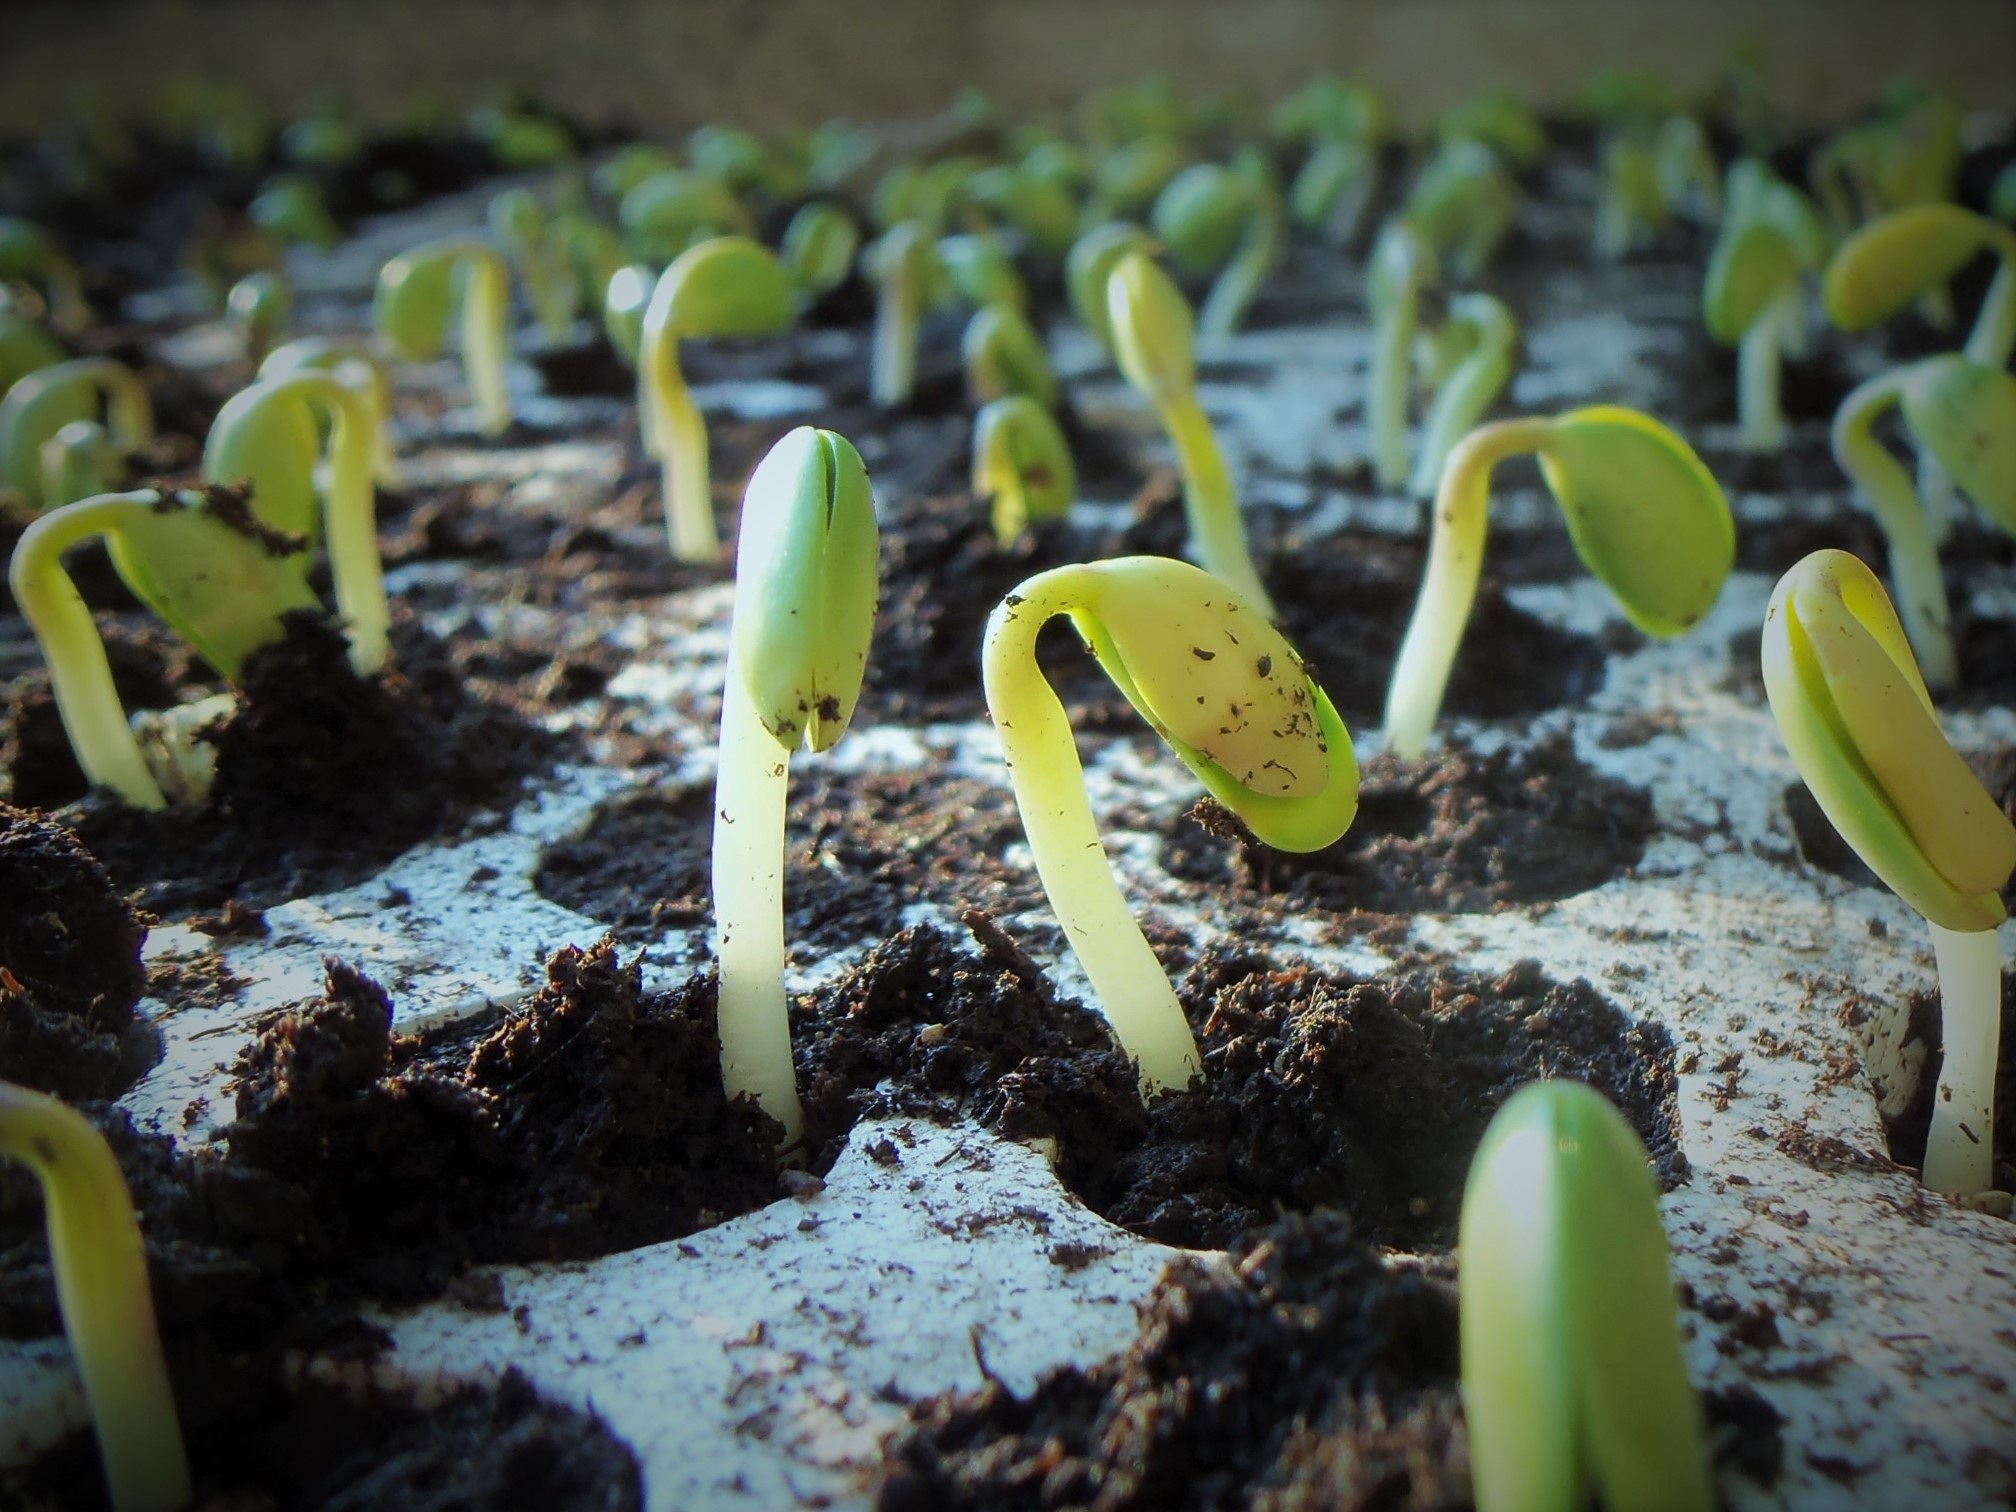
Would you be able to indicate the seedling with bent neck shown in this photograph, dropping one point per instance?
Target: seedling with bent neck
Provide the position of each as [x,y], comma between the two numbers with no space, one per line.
[1858,721]
[1645,516]
[416,292]
[729,286]
[1751,296]
[1153,337]
[1227,692]
[805,601]
[1403,263]
[43,402]
[1478,341]
[1021,465]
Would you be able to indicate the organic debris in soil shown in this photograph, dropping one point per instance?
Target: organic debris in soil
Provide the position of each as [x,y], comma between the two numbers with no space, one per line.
[258,1439]
[1306,1373]
[323,776]
[70,971]
[1458,832]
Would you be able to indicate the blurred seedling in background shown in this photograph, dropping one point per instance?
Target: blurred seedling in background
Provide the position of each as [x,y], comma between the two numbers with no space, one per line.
[1463,204]
[1004,355]
[1088,266]
[25,346]
[1402,265]
[30,255]
[352,364]
[819,247]
[1470,361]
[1751,298]
[1572,1363]
[1643,513]
[519,224]
[806,593]
[1226,691]
[417,292]
[670,211]
[99,1259]
[1896,260]
[1499,120]
[1022,466]
[291,209]
[903,265]
[730,286]
[1858,721]
[1154,341]
[1214,218]
[1343,126]
[260,306]
[99,391]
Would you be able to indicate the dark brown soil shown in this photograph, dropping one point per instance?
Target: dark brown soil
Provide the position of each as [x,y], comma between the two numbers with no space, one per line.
[70,971]
[1457,832]
[322,776]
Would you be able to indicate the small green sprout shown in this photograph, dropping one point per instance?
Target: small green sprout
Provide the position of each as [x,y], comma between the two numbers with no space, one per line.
[42,403]
[100,1261]
[1687,168]
[1855,715]
[745,163]
[1333,187]
[819,248]
[1004,355]
[1572,1366]
[593,251]
[1223,687]
[352,364]
[677,209]
[631,166]
[806,592]
[922,192]
[1477,342]
[1464,203]
[1961,416]
[1328,108]
[1228,219]
[260,304]
[220,586]
[729,286]
[1634,208]
[1022,465]
[1090,263]
[1128,178]
[29,254]
[519,224]
[81,459]
[903,265]
[268,436]
[1498,120]
[1403,263]
[1154,341]
[1751,296]
[325,139]
[1909,253]
[518,139]
[291,208]
[1643,513]
[1030,199]
[980,271]
[24,346]
[416,292]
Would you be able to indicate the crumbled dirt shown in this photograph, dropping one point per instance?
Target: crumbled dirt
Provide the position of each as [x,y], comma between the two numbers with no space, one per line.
[322,776]
[257,1438]
[1306,1373]
[1458,832]
[70,971]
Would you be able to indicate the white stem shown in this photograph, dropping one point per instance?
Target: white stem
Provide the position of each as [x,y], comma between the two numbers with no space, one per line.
[1049,783]
[1994,333]
[1757,385]
[685,474]
[1936,493]
[1960,1151]
[750,793]
[486,341]
[893,360]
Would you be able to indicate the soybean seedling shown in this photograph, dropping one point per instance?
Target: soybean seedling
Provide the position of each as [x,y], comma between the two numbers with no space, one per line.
[1643,513]
[291,208]
[1498,120]
[729,286]
[819,248]
[1476,345]
[1403,263]
[24,346]
[352,364]
[624,300]
[81,459]
[1855,715]
[677,209]
[1033,196]
[100,1261]
[1022,465]
[1154,341]
[1090,263]
[42,403]
[1464,203]
[1334,185]
[29,254]
[1201,663]
[979,271]
[1961,416]
[519,224]
[260,304]
[1572,1367]
[1751,297]
[903,265]
[1004,355]
[1908,253]
[418,289]
[1127,179]
[1634,207]
[216,576]
[805,601]
[268,436]
[1224,219]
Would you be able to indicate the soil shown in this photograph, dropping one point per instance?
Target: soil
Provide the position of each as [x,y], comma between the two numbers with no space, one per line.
[70,971]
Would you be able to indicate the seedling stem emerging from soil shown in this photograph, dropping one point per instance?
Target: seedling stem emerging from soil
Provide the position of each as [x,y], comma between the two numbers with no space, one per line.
[1572,1367]
[1228,693]
[417,290]
[1645,516]
[805,601]
[1855,715]
[100,1262]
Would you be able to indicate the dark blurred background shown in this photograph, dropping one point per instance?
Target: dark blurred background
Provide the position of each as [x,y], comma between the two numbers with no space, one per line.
[664,64]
